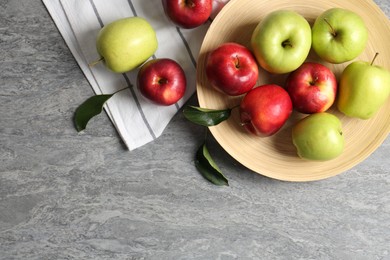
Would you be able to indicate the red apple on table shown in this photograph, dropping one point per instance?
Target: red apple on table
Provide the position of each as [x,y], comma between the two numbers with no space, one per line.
[265,109]
[232,69]
[312,87]
[188,13]
[162,81]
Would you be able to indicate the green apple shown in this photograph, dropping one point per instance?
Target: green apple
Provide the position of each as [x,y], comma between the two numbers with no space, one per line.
[281,41]
[339,35]
[318,136]
[363,89]
[126,43]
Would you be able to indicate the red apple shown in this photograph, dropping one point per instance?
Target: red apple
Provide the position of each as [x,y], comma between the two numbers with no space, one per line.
[312,87]
[162,81]
[265,109]
[232,69]
[217,7]
[188,13]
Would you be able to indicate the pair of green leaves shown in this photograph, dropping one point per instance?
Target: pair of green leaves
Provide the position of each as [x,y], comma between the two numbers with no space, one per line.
[203,160]
[93,106]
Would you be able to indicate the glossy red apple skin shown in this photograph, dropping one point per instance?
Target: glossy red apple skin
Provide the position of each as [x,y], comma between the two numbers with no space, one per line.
[188,14]
[265,109]
[232,69]
[162,81]
[312,87]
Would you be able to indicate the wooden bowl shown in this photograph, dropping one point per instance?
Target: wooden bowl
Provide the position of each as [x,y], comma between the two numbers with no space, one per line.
[276,156]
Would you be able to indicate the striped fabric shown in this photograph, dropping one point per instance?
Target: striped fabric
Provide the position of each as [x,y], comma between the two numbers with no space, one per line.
[137,120]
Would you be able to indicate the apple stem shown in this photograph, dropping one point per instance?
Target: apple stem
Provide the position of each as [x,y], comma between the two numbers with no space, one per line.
[333,32]
[190,3]
[237,62]
[313,81]
[93,63]
[376,55]
[162,81]
[286,43]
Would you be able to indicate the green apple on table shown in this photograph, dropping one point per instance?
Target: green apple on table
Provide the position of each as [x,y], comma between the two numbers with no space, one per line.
[281,41]
[363,89]
[339,35]
[126,43]
[318,137]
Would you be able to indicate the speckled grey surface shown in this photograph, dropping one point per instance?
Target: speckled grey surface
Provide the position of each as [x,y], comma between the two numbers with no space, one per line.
[65,195]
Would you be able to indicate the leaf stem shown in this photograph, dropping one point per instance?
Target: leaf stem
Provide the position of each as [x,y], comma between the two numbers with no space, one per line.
[235,107]
[128,87]
[206,134]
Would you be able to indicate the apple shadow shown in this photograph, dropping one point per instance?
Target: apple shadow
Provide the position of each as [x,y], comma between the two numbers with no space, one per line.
[282,140]
[242,34]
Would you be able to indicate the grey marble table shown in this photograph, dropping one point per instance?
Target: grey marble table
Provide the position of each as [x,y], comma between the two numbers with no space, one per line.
[65,195]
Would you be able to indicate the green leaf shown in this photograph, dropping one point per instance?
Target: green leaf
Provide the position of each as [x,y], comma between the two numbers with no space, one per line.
[90,108]
[205,116]
[208,168]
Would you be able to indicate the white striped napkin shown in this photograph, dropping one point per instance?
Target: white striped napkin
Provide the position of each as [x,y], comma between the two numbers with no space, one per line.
[137,120]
